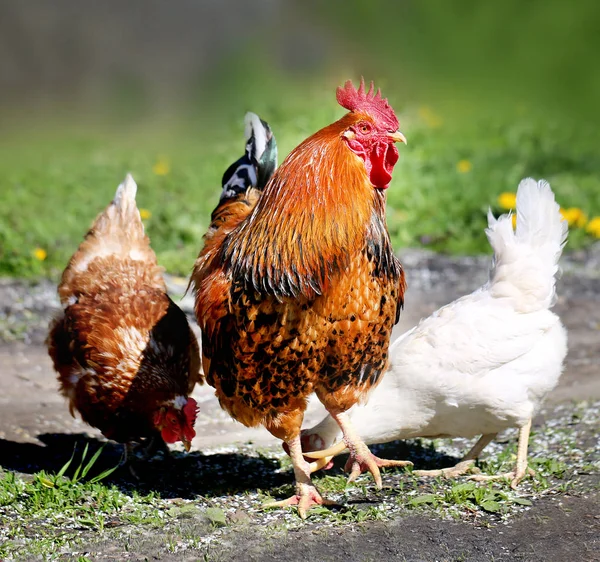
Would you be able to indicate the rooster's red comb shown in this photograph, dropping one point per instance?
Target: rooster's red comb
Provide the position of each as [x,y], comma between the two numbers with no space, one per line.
[370,102]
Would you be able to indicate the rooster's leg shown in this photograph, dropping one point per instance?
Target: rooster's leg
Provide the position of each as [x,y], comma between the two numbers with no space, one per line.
[306,494]
[465,465]
[361,459]
[521,469]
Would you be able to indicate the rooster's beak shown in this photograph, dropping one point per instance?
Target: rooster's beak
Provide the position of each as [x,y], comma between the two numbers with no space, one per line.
[397,137]
[187,444]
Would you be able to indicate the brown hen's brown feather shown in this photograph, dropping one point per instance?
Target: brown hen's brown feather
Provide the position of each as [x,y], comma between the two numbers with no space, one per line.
[121,347]
[301,293]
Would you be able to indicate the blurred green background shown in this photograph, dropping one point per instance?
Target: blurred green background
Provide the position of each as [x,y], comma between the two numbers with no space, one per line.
[486,92]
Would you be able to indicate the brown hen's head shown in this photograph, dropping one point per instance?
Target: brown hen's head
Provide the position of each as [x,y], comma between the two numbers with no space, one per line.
[176,421]
[372,132]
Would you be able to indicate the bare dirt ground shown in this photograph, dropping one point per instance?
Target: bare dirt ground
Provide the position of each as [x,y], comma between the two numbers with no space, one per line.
[37,432]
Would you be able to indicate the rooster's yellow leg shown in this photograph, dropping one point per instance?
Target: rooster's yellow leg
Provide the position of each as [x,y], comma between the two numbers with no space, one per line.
[465,465]
[361,458]
[521,468]
[306,494]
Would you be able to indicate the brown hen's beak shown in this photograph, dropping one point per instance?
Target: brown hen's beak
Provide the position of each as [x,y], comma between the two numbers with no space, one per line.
[397,137]
[187,444]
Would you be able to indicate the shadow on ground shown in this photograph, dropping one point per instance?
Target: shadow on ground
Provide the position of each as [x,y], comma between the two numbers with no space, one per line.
[180,475]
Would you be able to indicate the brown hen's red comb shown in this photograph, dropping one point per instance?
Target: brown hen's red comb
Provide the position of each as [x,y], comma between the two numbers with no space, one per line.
[369,102]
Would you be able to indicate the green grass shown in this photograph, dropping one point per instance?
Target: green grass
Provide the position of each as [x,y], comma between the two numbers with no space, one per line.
[54,182]
[49,511]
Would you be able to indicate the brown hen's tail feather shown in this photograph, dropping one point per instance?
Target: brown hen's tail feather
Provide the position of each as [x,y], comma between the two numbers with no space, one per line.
[121,221]
[118,234]
[118,230]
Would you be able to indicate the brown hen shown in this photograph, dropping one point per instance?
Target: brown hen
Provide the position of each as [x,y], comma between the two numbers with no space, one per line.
[126,357]
[299,293]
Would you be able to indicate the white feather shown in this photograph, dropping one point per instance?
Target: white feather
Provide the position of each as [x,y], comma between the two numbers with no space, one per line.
[254,126]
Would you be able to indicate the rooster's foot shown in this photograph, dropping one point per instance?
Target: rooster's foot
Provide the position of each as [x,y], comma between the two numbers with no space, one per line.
[369,462]
[305,497]
[363,460]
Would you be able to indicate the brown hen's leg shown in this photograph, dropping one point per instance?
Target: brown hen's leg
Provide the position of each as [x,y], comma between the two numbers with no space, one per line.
[361,459]
[306,494]
[127,458]
[521,469]
[465,465]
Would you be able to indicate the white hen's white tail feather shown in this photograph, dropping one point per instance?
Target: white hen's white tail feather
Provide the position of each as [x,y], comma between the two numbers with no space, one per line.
[526,261]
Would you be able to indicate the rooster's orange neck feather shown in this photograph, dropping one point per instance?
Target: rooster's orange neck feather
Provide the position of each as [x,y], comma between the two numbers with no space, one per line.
[312,218]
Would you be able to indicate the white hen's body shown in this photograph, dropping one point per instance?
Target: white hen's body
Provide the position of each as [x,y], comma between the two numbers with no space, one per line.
[484,362]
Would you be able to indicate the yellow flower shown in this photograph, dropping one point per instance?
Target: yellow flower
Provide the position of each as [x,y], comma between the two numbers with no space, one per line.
[574,216]
[593,227]
[40,254]
[464,166]
[507,200]
[161,167]
[431,119]
[145,214]
[514,220]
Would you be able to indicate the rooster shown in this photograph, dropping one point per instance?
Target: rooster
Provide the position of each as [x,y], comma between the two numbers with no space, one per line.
[484,362]
[297,291]
[126,357]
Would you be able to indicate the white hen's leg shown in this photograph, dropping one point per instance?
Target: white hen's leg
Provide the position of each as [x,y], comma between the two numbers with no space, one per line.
[361,458]
[465,465]
[521,468]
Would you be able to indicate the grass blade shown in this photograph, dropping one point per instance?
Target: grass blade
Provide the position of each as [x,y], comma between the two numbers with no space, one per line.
[92,461]
[104,474]
[78,469]
[65,466]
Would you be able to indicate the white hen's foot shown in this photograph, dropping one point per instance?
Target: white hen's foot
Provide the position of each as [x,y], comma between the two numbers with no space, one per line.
[451,472]
[521,470]
[464,466]
[515,476]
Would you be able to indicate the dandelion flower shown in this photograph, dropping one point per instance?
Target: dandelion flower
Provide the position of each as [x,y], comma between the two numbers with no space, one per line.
[40,254]
[145,214]
[464,166]
[574,216]
[507,200]
[593,227]
[431,119]
[161,167]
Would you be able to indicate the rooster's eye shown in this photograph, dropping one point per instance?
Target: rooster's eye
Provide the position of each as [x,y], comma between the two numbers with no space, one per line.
[364,128]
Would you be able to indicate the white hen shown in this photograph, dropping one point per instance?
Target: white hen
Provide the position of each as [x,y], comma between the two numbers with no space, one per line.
[484,362]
